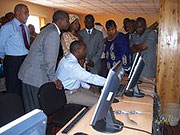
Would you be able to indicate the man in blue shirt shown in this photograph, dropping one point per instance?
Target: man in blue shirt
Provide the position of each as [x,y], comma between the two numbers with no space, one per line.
[76,79]
[14,45]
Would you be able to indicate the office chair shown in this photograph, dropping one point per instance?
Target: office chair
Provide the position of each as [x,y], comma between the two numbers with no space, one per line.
[54,104]
[11,108]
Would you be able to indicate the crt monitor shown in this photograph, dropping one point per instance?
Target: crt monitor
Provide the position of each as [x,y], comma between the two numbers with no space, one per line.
[32,123]
[103,119]
[133,80]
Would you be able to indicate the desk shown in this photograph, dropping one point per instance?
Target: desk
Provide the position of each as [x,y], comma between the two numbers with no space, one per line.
[144,120]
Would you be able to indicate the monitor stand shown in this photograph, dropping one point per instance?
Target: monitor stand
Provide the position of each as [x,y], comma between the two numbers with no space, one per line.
[135,93]
[109,124]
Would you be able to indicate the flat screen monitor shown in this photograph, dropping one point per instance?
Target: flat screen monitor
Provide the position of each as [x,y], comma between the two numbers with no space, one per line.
[103,119]
[134,64]
[32,123]
[134,78]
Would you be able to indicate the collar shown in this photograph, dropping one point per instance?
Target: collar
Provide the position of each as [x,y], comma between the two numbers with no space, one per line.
[90,30]
[71,57]
[16,21]
[59,32]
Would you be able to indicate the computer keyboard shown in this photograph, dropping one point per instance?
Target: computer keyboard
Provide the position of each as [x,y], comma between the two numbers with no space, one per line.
[73,123]
[121,90]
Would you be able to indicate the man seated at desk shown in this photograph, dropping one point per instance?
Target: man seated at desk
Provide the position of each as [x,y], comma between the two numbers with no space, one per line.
[75,78]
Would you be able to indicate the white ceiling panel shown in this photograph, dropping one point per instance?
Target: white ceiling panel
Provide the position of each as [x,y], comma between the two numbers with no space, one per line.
[102,6]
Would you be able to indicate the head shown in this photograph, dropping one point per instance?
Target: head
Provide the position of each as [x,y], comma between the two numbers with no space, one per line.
[125,23]
[74,23]
[3,20]
[9,16]
[131,27]
[140,25]
[111,28]
[78,49]
[31,29]
[21,13]
[61,18]
[89,21]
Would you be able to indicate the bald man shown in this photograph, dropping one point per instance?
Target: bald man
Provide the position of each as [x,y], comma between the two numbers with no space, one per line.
[14,45]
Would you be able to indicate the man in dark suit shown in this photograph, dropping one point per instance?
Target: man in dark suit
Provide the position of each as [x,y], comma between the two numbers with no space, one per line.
[39,66]
[94,42]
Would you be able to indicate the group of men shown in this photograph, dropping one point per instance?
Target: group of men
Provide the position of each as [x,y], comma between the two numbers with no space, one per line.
[28,67]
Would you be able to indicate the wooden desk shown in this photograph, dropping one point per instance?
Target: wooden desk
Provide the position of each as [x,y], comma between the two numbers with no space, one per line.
[147,100]
[141,121]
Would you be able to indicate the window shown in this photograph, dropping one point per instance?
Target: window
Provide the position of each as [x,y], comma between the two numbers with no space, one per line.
[36,21]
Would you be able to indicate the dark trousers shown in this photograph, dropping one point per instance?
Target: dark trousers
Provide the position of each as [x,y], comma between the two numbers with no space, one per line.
[30,97]
[11,68]
[104,70]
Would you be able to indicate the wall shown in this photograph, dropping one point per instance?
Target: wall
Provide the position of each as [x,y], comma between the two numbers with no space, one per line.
[42,11]
[168,69]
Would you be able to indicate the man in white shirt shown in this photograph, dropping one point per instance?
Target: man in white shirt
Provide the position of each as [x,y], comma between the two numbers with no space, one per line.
[75,78]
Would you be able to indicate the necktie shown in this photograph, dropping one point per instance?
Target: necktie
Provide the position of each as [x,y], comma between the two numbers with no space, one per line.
[24,37]
[89,31]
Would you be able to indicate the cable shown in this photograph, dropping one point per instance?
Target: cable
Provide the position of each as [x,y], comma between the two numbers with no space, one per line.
[120,127]
[138,130]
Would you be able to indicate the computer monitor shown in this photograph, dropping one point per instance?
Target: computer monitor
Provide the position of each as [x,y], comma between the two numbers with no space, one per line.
[32,123]
[134,64]
[103,119]
[134,78]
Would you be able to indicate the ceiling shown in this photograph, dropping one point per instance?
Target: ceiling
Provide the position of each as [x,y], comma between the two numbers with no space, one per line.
[103,6]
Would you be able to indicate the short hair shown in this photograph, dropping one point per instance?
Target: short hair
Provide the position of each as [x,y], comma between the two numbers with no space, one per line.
[76,45]
[140,19]
[59,14]
[125,21]
[90,16]
[110,23]
[19,7]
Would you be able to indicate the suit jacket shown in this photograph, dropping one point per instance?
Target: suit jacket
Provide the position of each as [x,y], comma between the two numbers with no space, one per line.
[94,47]
[39,65]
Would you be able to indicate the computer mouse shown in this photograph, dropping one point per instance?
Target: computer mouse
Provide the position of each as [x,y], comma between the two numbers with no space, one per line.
[80,133]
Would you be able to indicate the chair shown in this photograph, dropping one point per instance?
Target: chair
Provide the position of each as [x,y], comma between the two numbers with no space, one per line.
[11,108]
[54,104]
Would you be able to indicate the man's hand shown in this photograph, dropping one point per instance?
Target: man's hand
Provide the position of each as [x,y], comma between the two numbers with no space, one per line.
[124,80]
[95,91]
[137,48]
[58,84]
[90,63]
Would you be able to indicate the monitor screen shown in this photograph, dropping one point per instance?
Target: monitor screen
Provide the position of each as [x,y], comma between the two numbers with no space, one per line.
[32,123]
[134,64]
[134,78]
[103,119]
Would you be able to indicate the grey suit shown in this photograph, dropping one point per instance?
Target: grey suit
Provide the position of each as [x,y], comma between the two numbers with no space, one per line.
[39,65]
[94,44]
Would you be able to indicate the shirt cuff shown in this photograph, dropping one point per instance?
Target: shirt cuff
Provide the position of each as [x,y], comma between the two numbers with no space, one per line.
[85,85]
